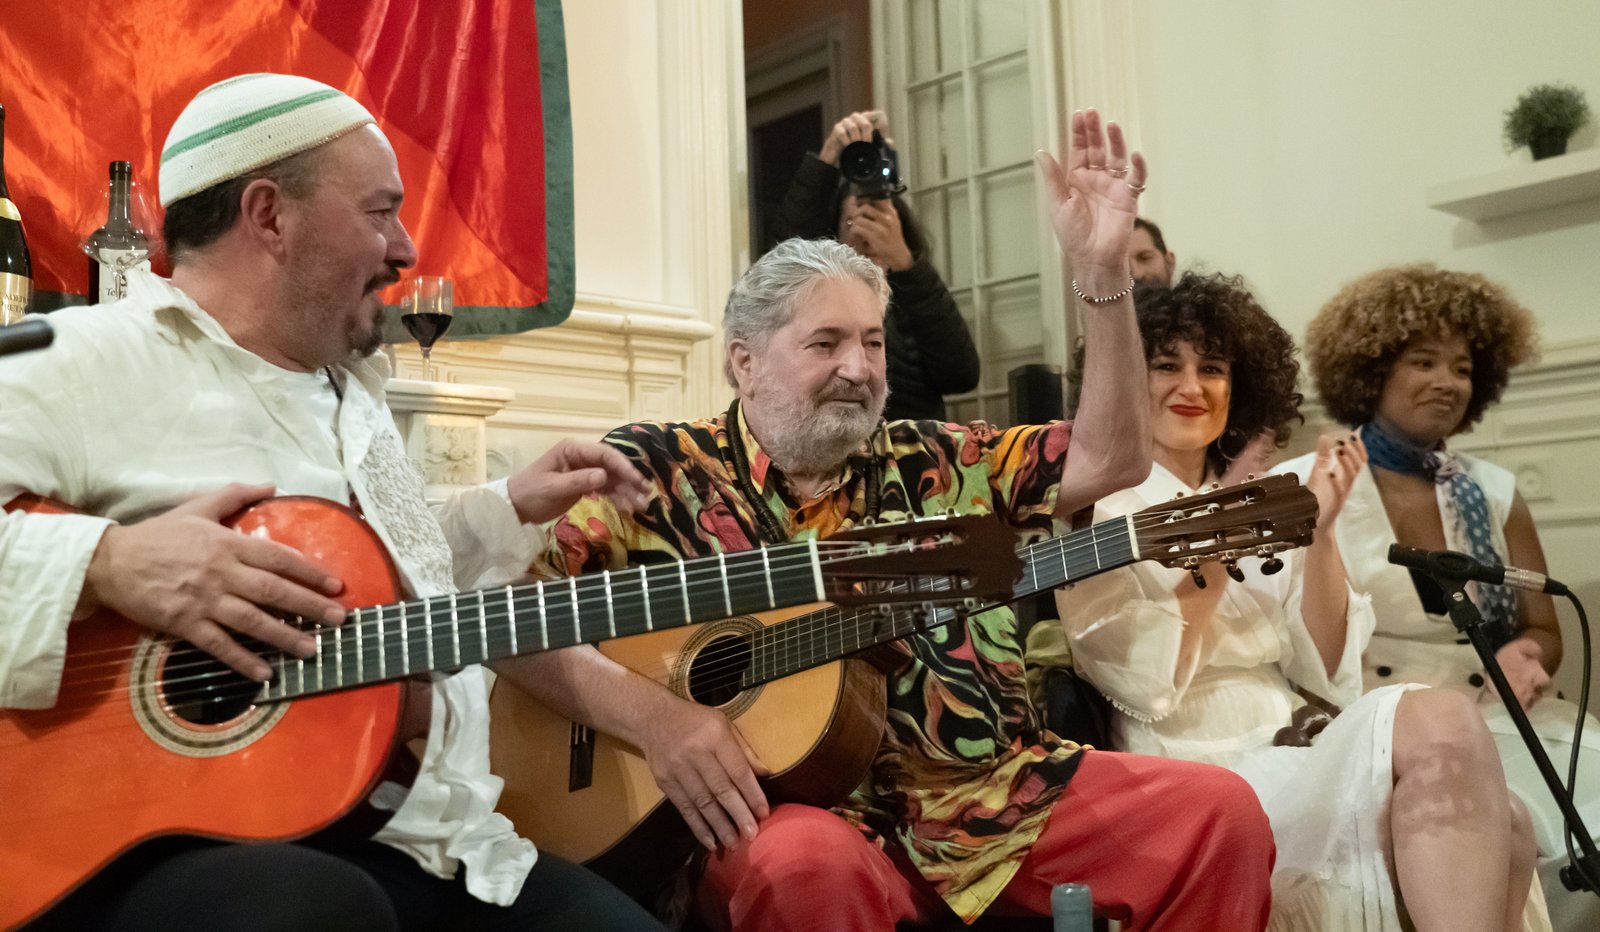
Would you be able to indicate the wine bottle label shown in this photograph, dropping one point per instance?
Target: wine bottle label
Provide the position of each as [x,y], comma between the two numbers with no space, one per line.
[110,261]
[15,292]
[8,210]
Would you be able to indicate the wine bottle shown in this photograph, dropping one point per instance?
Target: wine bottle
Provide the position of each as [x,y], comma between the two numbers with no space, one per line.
[118,245]
[16,269]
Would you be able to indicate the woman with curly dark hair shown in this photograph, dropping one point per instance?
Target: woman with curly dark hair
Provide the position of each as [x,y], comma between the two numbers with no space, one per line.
[1412,356]
[1205,667]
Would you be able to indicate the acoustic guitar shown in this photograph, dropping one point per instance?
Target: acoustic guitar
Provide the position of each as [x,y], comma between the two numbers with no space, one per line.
[816,720]
[150,736]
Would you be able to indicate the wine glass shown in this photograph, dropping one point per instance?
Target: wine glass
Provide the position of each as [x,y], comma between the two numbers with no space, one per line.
[126,240]
[426,308]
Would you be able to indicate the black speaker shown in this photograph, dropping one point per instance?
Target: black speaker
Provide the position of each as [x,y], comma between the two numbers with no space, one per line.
[1037,394]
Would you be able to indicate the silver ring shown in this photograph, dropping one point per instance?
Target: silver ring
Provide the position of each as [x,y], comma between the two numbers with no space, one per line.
[1099,168]
[1119,172]
[1137,188]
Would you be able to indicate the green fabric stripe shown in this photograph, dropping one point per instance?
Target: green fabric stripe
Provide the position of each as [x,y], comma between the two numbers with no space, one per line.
[243,122]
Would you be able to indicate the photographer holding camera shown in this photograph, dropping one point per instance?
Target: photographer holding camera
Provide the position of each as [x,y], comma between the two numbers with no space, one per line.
[850,191]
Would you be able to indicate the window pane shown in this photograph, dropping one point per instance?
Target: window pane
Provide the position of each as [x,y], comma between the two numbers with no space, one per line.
[1012,244]
[940,134]
[930,208]
[999,28]
[1005,115]
[1012,333]
[957,234]
[935,40]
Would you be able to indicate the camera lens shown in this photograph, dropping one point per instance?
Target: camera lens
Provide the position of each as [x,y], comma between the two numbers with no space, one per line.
[860,162]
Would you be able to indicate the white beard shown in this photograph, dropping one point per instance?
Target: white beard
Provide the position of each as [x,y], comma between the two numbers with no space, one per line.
[806,436]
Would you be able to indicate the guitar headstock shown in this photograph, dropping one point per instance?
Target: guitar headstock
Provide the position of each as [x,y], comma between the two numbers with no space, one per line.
[950,559]
[1256,518]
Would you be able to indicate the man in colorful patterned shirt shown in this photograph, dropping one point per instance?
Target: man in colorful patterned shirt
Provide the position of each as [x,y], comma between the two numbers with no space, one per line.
[971,803]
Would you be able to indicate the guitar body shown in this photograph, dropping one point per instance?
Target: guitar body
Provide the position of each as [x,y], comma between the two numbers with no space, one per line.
[118,760]
[817,731]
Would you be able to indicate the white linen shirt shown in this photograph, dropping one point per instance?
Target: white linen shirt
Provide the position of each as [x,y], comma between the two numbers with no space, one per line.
[144,403]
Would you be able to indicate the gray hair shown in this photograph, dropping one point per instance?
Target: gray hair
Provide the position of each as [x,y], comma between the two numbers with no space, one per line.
[765,296]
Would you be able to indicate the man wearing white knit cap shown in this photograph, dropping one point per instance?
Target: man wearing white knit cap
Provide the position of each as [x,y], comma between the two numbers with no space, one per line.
[253,372]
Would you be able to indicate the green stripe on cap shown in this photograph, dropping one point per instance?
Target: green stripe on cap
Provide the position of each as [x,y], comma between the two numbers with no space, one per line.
[246,121]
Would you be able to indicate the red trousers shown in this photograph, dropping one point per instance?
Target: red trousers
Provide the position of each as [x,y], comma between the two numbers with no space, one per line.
[1163,845]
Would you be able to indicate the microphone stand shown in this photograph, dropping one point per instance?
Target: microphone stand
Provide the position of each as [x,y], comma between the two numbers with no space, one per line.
[1464,615]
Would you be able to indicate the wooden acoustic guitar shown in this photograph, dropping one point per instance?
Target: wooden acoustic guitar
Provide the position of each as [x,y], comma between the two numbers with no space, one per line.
[150,736]
[814,720]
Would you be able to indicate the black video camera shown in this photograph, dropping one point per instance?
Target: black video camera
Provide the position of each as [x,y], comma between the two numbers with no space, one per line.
[872,168]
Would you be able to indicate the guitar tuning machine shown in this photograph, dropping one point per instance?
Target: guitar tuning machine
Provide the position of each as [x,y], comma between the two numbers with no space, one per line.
[1234,573]
[1271,565]
[1198,577]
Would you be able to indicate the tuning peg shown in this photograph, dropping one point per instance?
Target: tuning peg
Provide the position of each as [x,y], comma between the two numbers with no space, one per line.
[1234,573]
[1271,565]
[1199,579]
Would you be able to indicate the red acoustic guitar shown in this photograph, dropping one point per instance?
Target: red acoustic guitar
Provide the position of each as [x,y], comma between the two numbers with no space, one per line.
[151,737]
[814,720]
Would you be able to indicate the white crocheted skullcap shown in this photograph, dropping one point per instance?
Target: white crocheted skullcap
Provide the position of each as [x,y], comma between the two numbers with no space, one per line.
[238,125]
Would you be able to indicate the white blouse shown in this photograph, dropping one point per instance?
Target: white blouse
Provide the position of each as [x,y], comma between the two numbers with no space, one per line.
[1233,691]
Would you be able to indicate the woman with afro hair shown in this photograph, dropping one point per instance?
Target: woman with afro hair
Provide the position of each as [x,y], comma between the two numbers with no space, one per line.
[1204,667]
[1410,357]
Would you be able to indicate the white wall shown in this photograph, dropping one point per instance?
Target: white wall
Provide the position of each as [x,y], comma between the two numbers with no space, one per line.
[1294,142]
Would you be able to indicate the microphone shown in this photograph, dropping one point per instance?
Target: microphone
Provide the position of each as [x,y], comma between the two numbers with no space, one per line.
[27,335]
[1452,565]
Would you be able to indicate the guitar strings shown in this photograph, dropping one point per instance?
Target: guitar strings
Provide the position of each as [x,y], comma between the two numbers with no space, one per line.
[370,620]
[835,618]
[838,619]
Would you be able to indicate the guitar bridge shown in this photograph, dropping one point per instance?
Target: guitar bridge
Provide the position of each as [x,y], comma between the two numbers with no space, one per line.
[580,761]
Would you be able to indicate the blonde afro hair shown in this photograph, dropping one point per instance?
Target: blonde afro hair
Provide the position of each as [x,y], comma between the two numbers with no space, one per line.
[1353,341]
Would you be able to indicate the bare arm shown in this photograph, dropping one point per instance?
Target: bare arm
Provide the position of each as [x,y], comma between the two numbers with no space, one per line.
[1093,203]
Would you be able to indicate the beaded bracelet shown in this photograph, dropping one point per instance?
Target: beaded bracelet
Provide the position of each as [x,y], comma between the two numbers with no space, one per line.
[1105,300]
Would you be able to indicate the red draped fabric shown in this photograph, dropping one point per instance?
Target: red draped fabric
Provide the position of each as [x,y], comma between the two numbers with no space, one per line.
[471,93]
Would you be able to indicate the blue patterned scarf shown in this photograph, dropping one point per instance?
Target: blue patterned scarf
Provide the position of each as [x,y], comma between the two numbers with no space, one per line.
[1464,509]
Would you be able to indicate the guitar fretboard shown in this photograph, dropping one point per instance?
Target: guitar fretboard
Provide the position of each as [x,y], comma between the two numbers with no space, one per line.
[446,632]
[824,636]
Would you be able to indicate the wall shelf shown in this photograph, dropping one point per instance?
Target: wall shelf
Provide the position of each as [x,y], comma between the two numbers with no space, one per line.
[1550,182]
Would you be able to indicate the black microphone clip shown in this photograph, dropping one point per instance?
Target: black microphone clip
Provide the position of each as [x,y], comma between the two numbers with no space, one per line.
[1450,564]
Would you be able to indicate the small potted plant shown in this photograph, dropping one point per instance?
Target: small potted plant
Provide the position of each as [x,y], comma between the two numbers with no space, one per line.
[1544,117]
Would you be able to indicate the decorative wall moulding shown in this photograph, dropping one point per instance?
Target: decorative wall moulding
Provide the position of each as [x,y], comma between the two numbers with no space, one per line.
[1546,183]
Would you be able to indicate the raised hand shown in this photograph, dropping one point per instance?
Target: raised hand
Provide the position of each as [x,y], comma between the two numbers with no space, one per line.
[187,574]
[872,228]
[1338,462]
[568,471]
[857,127]
[1093,202]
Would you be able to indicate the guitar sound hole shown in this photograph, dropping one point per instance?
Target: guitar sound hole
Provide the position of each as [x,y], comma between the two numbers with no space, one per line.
[717,670]
[201,689]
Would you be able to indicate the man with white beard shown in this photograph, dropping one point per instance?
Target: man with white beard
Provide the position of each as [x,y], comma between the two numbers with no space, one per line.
[957,813]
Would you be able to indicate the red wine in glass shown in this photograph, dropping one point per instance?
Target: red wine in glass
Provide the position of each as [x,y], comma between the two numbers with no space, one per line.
[427,327]
[426,309]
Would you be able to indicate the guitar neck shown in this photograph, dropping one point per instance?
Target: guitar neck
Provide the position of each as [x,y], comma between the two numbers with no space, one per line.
[446,632]
[824,636]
